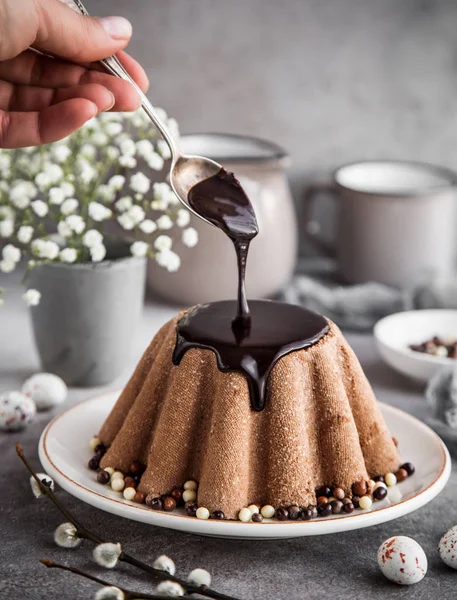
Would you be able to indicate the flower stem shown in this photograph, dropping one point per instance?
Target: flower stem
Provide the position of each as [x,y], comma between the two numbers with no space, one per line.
[127,593]
[82,532]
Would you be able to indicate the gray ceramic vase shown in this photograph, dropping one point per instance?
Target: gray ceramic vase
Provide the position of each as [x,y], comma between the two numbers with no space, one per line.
[85,323]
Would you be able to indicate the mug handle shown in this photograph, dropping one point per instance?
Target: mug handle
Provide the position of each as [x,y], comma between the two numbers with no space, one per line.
[311,225]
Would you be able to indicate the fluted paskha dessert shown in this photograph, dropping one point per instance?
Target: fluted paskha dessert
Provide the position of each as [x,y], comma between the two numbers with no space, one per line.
[321,426]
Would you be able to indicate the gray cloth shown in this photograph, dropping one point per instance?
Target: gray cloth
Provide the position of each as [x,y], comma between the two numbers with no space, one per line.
[441,396]
[358,307]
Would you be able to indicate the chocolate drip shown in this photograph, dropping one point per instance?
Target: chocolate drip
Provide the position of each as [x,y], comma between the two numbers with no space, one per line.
[276,330]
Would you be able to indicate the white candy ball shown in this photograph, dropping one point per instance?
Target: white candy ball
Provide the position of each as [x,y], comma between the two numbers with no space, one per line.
[202,513]
[402,560]
[46,390]
[129,493]
[245,515]
[267,511]
[253,508]
[94,442]
[117,484]
[390,479]
[365,502]
[448,548]
[16,411]
[189,495]
[191,485]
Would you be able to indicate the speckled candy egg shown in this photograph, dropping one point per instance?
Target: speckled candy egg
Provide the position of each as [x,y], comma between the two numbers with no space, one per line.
[16,411]
[402,560]
[448,548]
[46,390]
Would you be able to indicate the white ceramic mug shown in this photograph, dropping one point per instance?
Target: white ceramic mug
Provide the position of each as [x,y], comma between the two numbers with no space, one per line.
[397,221]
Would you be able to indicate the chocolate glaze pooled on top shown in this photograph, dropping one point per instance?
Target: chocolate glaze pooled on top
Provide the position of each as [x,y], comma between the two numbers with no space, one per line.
[276,330]
[243,341]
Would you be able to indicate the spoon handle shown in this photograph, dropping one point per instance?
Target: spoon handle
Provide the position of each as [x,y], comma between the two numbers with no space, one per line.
[113,65]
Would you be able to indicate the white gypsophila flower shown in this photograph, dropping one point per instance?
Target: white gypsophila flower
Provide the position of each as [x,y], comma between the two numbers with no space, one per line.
[116,182]
[69,206]
[76,223]
[54,172]
[128,147]
[164,563]
[5,161]
[136,213]
[162,191]
[127,161]
[113,129]
[145,148]
[60,152]
[92,124]
[24,234]
[43,180]
[155,162]
[68,255]
[190,237]
[164,149]
[11,253]
[183,218]
[109,593]
[65,536]
[163,242]
[67,188]
[7,266]
[32,297]
[99,138]
[98,212]
[112,152]
[40,208]
[139,249]
[87,173]
[107,554]
[92,237]
[64,229]
[125,221]
[6,212]
[164,222]
[21,193]
[124,203]
[97,252]
[140,183]
[170,588]
[109,117]
[106,193]
[50,250]
[199,578]
[56,196]
[6,228]
[4,187]
[147,226]
[169,260]
[45,480]
[88,151]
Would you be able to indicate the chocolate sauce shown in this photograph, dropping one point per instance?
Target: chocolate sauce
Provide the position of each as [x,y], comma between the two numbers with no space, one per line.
[276,330]
[247,341]
[223,202]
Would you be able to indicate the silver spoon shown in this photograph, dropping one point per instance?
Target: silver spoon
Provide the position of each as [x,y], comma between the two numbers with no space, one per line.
[185,170]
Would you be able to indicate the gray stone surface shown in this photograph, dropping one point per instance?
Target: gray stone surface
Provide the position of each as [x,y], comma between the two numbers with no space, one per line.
[336,566]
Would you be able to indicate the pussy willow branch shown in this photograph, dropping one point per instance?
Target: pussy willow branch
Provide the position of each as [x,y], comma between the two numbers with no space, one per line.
[84,533]
[129,594]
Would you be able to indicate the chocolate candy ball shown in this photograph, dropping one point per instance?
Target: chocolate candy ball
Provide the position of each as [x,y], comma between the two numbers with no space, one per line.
[338,493]
[169,503]
[355,501]
[176,493]
[100,449]
[154,503]
[323,491]
[130,482]
[294,512]
[191,508]
[306,514]
[409,468]
[359,488]
[313,510]
[324,510]
[282,514]
[136,468]
[322,500]
[380,493]
[103,477]
[337,506]
[139,498]
[348,507]
[379,478]
[218,515]
[257,518]
[401,475]
[94,463]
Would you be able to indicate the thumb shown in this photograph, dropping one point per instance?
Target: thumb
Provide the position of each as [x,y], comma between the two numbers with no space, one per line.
[67,34]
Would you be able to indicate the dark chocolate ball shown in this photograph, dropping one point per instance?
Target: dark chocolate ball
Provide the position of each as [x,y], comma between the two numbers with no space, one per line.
[169,503]
[323,491]
[313,510]
[218,515]
[130,482]
[348,508]
[103,477]
[379,478]
[380,493]
[324,510]
[136,468]
[191,508]
[337,506]
[401,475]
[282,514]
[94,462]
[355,501]
[139,498]
[306,514]
[176,493]
[257,518]
[359,488]
[409,468]
[155,503]
[100,449]
[294,512]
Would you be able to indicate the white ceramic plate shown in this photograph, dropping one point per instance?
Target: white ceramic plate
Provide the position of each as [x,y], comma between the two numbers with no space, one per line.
[395,333]
[64,453]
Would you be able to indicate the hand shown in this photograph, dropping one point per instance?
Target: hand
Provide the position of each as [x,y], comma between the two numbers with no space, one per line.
[44,99]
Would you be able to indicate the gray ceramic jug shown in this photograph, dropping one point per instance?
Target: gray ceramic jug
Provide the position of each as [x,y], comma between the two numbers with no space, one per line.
[208,271]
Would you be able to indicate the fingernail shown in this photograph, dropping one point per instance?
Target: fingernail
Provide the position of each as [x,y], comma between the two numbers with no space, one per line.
[117,27]
[109,104]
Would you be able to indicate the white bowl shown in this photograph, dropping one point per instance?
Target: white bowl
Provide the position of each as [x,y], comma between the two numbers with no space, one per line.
[395,333]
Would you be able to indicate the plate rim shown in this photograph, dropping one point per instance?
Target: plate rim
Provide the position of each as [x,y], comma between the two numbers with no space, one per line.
[276,530]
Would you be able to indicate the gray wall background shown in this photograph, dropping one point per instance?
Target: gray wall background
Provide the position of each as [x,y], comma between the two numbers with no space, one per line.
[330,80]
